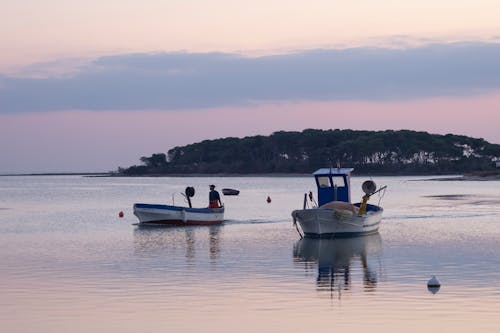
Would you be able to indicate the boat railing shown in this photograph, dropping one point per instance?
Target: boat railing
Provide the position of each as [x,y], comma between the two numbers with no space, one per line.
[179,195]
[309,195]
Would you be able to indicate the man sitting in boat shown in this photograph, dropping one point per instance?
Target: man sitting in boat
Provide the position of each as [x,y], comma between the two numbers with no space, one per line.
[214,198]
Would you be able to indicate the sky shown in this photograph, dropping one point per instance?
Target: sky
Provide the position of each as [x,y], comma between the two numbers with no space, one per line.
[92,86]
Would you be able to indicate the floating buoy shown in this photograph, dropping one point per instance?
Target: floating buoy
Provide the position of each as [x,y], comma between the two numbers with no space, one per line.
[120,214]
[268,199]
[433,285]
[433,282]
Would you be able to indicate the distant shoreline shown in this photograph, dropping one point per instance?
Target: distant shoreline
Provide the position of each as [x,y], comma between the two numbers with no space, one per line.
[95,174]
[482,176]
[474,176]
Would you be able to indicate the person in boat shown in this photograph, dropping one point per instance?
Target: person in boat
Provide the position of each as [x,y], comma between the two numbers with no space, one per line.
[214,198]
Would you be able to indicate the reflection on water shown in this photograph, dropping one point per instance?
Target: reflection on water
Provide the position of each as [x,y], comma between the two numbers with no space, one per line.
[66,258]
[171,240]
[336,257]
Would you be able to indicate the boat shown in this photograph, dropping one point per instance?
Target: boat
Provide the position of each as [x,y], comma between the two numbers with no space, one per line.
[334,215]
[230,191]
[154,214]
[160,214]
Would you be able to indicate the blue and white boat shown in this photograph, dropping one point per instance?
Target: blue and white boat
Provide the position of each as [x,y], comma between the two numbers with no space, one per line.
[154,214]
[159,214]
[334,215]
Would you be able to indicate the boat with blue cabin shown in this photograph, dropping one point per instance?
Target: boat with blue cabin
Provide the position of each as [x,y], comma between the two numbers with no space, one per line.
[333,215]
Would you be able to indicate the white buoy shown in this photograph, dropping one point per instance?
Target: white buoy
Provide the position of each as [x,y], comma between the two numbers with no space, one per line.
[433,282]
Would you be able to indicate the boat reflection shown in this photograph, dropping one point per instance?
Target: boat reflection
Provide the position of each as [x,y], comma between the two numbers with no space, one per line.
[339,259]
[186,241]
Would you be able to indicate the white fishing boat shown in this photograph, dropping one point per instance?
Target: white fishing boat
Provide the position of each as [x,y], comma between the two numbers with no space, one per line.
[159,214]
[334,215]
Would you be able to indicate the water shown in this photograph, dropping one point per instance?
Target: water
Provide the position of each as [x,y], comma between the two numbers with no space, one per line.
[68,263]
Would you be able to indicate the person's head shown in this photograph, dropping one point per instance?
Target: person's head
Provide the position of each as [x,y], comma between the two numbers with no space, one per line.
[212,187]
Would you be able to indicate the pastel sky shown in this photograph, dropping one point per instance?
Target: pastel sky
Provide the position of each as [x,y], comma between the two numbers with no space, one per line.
[90,86]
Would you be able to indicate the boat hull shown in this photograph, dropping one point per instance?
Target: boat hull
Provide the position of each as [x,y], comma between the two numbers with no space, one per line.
[320,222]
[150,214]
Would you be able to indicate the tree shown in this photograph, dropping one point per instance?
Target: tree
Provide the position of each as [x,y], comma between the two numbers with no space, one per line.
[302,152]
[156,161]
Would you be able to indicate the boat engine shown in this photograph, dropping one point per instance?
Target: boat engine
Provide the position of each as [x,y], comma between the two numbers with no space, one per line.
[189,191]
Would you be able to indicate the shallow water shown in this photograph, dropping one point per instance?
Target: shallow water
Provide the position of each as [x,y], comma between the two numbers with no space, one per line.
[68,263]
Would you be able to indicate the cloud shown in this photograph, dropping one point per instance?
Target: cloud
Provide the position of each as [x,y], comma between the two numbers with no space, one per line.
[201,80]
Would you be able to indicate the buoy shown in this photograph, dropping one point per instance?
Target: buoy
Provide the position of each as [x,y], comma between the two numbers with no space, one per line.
[433,282]
[268,199]
[120,214]
[433,285]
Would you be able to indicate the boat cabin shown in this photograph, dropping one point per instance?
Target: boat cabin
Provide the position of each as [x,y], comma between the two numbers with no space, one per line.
[333,184]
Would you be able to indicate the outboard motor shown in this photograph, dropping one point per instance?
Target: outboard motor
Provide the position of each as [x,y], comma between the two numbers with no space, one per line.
[189,191]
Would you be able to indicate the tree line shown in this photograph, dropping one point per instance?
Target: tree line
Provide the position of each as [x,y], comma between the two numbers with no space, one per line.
[383,152]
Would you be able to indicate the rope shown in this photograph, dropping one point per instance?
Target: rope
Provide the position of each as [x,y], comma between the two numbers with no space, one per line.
[381,194]
[294,216]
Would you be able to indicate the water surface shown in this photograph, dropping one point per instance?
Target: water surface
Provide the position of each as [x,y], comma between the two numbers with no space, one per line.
[68,263]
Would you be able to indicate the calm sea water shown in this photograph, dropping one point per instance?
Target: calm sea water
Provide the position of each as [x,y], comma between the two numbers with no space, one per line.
[68,263]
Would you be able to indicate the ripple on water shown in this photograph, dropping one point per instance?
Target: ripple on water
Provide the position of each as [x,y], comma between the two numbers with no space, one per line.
[66,257]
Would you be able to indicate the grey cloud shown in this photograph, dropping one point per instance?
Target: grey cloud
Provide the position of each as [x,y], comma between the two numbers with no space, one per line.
[187,80]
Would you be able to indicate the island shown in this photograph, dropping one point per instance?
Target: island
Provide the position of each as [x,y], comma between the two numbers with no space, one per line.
[390,152]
